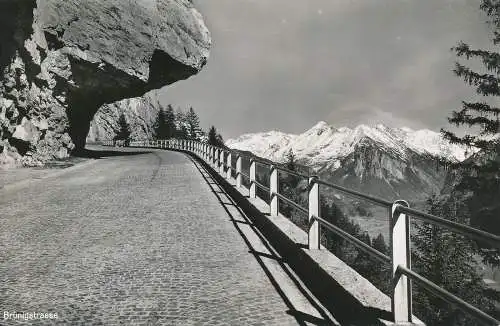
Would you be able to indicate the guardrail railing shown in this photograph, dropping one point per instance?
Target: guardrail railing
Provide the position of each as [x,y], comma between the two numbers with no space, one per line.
[399,214]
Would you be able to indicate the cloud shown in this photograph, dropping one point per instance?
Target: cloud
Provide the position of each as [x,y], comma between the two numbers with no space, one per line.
[357,61]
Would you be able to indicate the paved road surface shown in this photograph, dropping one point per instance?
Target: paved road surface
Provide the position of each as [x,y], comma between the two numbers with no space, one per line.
[131,240]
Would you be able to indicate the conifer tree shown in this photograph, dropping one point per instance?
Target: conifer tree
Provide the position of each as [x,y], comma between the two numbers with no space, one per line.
[181,125]
[288,186]
[124,130]
[382,272]
[170,121]
[290,162]
[447,259]
[214,138]
[481,176]
[193,124]
[160,128]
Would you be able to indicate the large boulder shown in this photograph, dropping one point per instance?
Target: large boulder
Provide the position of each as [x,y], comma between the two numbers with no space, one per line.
[60,60]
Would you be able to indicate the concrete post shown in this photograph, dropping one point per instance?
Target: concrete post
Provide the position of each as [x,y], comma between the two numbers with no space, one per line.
[238,171]
[253,168]
[400,233]
[313,235]
[273,190]
[229,164]
[221,163]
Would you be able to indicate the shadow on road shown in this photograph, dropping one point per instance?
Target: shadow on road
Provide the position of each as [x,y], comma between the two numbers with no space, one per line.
[225,199]
[92,153]
[346,309]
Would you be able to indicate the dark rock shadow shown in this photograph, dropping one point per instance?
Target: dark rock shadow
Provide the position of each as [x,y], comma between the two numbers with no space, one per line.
[91,153]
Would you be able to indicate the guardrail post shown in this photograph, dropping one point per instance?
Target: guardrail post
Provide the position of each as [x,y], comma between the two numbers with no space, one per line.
[400,233]
[273,191]
[238,171]
[229,164]
[314,234]
[253,166]
[221,163]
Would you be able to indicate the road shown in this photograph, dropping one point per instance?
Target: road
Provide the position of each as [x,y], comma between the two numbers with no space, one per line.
[137,238]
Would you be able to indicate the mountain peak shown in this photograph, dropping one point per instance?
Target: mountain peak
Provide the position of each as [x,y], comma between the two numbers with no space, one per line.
[321,125]
[324,143]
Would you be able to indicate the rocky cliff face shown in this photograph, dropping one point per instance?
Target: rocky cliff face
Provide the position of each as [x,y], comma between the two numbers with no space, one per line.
[375,169]
[60,60]
[140,112]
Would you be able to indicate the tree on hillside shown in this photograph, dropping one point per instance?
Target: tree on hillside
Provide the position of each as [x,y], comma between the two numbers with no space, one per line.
[375,271]
[124,130]
[381,273]
[215,138]
[181,125]
[170,121]
[290,160]
[288,187]
[481,179]
[447,259]
[193,124]
[160,127]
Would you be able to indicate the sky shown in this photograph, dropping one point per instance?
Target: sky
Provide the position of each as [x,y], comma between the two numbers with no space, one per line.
[287,64]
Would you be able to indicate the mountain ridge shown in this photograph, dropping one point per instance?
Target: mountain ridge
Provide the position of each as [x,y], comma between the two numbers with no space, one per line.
[391,162]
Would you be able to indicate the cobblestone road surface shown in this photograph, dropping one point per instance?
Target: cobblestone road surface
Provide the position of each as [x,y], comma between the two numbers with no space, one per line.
[130,240]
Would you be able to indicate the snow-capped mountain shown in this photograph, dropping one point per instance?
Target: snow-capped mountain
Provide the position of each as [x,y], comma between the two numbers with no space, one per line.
[389,162]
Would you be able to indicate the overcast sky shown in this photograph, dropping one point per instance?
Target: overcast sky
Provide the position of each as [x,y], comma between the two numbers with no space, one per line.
[287,64]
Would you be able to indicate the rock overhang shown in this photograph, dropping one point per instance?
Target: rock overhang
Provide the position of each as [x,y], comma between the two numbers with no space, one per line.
[76,55]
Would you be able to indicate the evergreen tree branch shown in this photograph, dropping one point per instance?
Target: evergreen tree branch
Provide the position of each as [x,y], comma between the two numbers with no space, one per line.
[489,126]
[491,60]
[486,84]
[481,107]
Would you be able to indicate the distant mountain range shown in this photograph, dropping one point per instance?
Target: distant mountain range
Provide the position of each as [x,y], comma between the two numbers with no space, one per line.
[388,162]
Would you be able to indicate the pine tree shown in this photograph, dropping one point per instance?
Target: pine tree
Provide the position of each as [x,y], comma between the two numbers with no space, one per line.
[363,262]
[160,128]
[288,187]
[447,259]
[181,125]
[220,141]
[381,272]
[193,124]
[290,160]
[214,138]
[482,179]
[170,122]
[124,131]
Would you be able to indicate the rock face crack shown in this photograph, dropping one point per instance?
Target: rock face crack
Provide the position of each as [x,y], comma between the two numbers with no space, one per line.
[62,60]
